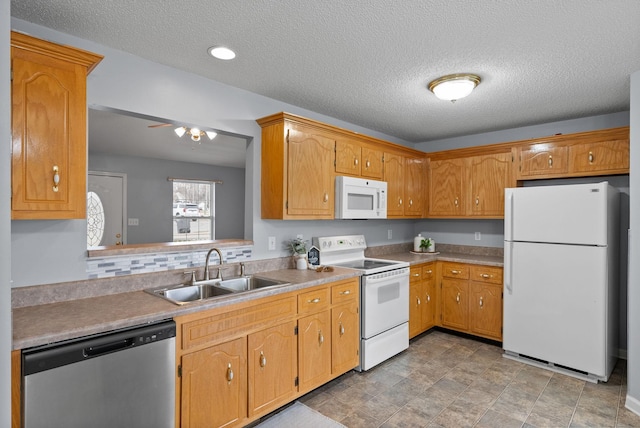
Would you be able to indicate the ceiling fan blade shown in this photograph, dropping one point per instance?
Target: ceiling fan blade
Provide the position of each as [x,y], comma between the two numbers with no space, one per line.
[160,125]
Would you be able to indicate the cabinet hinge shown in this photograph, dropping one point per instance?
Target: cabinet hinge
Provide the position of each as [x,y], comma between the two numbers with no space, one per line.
[288,135]
[334,163]
[295,330]
[286,204]
[295,381]
[180,371]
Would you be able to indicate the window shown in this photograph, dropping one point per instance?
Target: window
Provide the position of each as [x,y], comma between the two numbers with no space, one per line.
[95,220]
[193,210]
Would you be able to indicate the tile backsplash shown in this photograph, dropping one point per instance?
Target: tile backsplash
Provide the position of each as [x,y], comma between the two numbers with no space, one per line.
[106,267]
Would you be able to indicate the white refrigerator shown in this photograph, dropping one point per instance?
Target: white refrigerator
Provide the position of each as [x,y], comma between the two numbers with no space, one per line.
[561,278]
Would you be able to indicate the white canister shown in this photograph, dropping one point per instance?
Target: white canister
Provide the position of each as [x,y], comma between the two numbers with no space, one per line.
[432,246]
[416,243]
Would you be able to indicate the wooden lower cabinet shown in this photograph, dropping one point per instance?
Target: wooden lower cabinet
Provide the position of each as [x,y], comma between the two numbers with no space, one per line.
[214,385]
[240,362]
[272,367]
[471,299]
[422,298]
[314,350]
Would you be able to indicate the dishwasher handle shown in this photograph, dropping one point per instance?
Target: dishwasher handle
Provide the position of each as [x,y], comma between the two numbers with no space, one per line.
[107,348]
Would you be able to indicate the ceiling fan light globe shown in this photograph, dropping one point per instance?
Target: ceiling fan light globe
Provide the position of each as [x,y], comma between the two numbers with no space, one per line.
[211,134]
[180,131]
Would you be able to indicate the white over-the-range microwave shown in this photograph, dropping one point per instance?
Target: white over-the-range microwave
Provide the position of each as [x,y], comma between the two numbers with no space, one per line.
[360,198]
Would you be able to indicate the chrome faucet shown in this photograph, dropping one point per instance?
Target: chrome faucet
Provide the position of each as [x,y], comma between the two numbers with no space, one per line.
[206,263]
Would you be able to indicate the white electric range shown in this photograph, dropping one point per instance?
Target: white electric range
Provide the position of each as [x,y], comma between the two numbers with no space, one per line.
[384,297]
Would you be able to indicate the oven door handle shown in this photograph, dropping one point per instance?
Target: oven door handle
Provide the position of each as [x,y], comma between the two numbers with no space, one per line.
[372,280]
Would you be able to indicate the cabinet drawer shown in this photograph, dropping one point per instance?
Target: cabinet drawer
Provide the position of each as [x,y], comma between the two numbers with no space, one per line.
[313,301]
[415,274]
[455,270]
[345,291]
[488,274]
[429,271]
[222,326]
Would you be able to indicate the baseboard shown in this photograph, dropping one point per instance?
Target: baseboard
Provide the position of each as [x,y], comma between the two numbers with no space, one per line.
[632,404]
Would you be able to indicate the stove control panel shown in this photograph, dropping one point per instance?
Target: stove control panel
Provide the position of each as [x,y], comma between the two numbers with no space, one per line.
[340,243]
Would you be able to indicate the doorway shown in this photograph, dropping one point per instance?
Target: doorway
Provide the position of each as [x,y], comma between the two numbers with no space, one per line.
[106,209]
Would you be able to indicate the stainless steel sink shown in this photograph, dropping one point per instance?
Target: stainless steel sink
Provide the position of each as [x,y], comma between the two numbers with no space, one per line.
[248,283]
[183,294]
[209,289]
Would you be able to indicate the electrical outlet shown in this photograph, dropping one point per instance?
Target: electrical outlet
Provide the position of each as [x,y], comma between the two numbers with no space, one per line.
[272,243]
[133,222]
[299,236]
[478,236]
[389,234]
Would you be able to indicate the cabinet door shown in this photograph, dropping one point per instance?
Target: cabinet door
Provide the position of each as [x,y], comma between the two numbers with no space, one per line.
[415,308]
[599,157]
[49,137]
[371,163]
[214,385]
[489,175]
[446,188]
[394,176]
[310,175]
[428,289]
[540,160]
[314,350]
[455,304]
[348,157]
[272,367]
[414,187]
[485,310]
[345,337]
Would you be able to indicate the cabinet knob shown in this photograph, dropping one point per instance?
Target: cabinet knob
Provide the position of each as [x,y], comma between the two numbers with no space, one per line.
[326,197]
[341,329]
[56,178]
[477,200]
[345,292]
[455,272]
[455,201]
[550,161]
[591,157]
[355,161]
[485,275]
[418,301]
[429,272]
[428,298]
[320,337]
[316,300]
[368,164]
[399,201]
[263,359]
[410,202]
[458,298]
[229,373]
[481,304]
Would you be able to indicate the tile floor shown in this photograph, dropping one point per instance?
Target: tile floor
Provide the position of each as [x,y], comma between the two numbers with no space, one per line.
[444,380]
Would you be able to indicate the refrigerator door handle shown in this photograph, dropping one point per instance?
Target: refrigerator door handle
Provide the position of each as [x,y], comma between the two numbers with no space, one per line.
[508,217]
[508,281]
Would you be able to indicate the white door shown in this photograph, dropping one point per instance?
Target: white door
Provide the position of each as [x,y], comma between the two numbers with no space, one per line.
[111,191]
[569,214]
[555,301]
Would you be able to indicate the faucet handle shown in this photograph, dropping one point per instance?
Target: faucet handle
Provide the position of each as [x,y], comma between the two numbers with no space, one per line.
[242,273]
[192,280]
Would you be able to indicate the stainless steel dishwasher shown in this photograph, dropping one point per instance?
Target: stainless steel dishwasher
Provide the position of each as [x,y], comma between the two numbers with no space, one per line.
[124,378]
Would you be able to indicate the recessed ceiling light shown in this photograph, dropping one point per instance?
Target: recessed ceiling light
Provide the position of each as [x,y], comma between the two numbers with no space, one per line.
[221,52]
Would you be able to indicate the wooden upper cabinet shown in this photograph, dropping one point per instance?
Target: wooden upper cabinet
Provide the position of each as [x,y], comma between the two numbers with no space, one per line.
[394,176]
[542,160]
[489,175]
[49,128]
[598,157]
[446,181]
[348,157]
[414,186]
[372,162]
[310,178]
[602,152]
[297,170]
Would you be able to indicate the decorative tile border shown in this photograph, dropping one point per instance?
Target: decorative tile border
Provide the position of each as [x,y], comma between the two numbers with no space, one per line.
[156,262]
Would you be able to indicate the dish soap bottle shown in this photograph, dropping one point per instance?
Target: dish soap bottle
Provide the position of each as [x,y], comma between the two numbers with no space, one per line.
[416,243]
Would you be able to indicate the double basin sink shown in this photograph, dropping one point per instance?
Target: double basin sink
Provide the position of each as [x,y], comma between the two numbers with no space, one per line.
[211,289]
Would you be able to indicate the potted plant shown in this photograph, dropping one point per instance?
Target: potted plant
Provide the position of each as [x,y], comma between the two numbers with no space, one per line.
[426,245]
[298,248]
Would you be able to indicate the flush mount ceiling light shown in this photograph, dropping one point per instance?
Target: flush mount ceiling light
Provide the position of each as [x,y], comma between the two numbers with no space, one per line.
[194,133]
[221,52]
[454,86]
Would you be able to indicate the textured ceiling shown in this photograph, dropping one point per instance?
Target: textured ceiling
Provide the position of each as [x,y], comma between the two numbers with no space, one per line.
[368,61]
